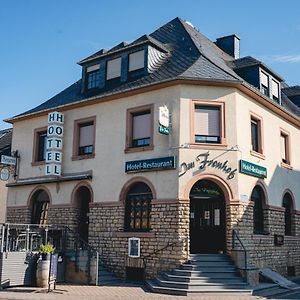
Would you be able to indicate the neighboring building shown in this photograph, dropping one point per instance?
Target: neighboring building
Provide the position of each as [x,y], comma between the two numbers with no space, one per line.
[229,163]
[5,149]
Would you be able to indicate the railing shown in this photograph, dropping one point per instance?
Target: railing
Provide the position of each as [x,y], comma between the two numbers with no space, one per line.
[154,253]
[28,238]
[235,237]
[81,244]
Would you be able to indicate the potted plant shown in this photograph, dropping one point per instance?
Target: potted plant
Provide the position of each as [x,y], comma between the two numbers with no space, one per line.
[46,250]
[43,267]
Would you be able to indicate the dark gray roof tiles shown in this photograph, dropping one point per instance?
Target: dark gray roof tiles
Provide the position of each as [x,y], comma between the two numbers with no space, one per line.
[289,105]
[249,61]
[292,90]
[5,141]
[189,54]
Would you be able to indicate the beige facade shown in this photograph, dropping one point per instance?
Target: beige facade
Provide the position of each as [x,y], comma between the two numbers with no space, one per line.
[3,197]
[171,188]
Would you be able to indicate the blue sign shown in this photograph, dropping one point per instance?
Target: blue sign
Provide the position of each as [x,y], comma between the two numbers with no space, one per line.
[154,164]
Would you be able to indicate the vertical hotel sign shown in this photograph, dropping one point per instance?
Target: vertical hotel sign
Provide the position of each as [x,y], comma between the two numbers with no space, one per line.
[55,133]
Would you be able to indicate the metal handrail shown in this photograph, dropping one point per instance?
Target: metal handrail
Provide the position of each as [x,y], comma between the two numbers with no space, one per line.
[154,253]
[236,236]
[91,250]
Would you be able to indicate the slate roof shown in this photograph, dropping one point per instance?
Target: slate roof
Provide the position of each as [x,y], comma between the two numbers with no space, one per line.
[292,91]
[249,61]
[5,141]
[189,55]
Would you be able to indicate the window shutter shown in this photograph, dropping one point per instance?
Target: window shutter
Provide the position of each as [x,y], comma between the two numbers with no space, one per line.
[264,79]
[141,126]
[93,68]
[86,135]
[207,121]
[283,146]
[136,60]
[113,68]
[275,89]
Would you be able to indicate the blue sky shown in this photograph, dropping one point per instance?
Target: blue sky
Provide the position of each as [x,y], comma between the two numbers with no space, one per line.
[41,41]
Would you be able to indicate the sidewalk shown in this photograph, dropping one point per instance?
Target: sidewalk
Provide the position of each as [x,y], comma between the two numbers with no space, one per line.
[124,291]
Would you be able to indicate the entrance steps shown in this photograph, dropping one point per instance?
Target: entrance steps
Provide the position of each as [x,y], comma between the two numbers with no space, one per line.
[202,273]
[106,277]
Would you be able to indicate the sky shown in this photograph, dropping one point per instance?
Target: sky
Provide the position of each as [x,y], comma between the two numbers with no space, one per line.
[42,41]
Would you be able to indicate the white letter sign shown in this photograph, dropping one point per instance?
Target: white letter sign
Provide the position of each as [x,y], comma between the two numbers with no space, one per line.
[55,133]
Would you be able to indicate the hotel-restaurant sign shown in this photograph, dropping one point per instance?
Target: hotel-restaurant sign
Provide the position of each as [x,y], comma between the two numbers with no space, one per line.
[249,168]
[154,164]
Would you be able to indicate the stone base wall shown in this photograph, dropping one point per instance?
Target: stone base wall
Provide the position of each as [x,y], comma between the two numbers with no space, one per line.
[20,215]
[64,216]
[169,230]
[262,252]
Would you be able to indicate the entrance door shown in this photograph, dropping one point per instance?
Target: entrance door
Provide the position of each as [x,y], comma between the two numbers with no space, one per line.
[83,198]
[207,218]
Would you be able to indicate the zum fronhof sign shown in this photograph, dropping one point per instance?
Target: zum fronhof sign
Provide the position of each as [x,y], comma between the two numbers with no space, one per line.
[203,161]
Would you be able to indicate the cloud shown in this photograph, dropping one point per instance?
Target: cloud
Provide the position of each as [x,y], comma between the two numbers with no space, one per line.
[285,58]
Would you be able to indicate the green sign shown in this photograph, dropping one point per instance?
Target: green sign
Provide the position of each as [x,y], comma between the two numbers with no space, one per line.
[249,168]
[164,130]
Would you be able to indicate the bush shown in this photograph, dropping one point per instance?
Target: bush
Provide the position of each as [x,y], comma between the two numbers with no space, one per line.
[47,249]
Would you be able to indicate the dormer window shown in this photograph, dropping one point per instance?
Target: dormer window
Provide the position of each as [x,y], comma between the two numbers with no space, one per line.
[113,68]
[136,60]
[264,84]
[93,77]
[275,90]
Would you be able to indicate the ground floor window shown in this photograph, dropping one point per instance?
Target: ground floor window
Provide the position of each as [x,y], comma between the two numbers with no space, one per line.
[258,197]
[287,203]
[40,205]
[138,207]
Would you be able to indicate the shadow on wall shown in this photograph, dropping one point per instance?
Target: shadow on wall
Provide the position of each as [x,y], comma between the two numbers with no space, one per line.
[270,233]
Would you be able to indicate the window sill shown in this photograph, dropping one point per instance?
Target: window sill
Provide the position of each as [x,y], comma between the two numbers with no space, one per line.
[38,163]
[80,157]
[207,146]
[257,154]
[138,234]
[287,166]
[138,149]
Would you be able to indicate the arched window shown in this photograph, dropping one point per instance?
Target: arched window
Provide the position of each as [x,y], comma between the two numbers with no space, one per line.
[138,207]
[40,204]
[287,203]
[258,197]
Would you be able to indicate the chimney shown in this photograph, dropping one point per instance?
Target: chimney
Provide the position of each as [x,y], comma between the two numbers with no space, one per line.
[230,44]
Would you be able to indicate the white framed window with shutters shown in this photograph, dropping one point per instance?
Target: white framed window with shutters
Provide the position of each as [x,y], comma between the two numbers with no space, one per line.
[84,138]
[264,83]
[136,61]
[139,128]
[113,68]
[275,90]
[207,122]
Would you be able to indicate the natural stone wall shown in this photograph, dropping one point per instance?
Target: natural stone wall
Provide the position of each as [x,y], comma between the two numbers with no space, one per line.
[20,215]
[261,249]
[64,216]
[169,226]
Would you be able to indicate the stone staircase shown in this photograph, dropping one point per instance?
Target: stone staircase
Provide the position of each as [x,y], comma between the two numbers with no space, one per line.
[203,273]
[106,277]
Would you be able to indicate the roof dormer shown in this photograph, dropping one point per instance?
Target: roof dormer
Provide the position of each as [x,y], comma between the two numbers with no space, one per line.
[260,76]
[122,63]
